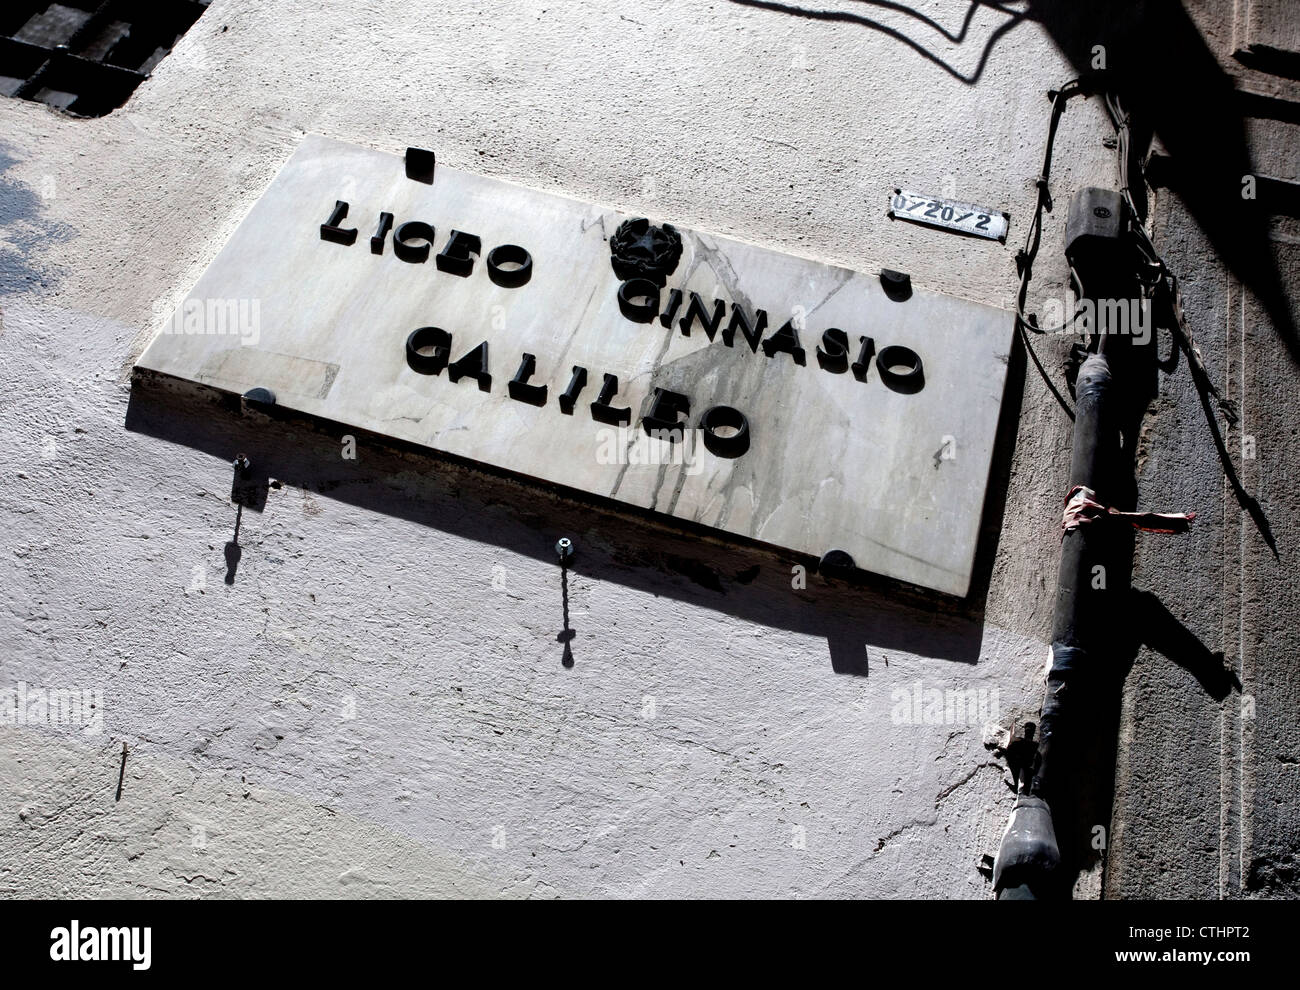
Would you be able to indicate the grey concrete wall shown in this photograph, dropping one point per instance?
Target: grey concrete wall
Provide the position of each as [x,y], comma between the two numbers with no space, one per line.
[376,704]
[1208,780]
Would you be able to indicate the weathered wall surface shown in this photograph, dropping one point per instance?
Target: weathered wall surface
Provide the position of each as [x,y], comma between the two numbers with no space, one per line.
[375,703]
[1207,800]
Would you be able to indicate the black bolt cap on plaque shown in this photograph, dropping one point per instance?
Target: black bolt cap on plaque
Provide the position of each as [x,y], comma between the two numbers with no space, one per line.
[260,396]
[419,165]
[640,249]
[897,285]
[836,564]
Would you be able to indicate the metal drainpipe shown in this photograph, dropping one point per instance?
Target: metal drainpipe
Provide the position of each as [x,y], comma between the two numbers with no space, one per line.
[1028,863]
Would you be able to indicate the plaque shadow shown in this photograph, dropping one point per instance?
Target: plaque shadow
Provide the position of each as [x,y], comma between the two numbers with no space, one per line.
[860,618]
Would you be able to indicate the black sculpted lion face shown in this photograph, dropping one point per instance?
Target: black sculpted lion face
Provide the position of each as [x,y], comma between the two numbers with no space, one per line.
[639,249]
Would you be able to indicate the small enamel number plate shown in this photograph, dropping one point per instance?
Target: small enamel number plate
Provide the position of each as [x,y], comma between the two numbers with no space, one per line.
[966,218]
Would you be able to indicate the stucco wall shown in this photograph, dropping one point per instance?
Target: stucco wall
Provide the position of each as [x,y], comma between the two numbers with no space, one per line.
[377,704]
[1207,783]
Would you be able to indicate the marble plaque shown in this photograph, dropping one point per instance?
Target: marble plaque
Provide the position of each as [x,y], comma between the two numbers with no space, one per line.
[868,407]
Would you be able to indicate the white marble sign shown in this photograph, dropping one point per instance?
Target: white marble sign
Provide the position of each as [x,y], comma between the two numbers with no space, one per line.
[870,413]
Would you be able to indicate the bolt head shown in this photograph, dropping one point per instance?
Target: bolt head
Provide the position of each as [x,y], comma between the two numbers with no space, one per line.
[564,549]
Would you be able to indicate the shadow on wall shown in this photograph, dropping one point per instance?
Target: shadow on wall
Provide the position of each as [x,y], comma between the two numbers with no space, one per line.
[1172,85]
[25,233]
[957,37]
[1174,88]
[751,583]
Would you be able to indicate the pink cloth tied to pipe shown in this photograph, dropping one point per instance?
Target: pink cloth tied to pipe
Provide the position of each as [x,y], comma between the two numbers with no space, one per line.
[1081,506]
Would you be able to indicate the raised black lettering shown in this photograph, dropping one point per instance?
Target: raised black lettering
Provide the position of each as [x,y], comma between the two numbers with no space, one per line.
[603,412]
[863,363]
[520,390]
[785,340]
[569,398]
[330,229]
[509,265]
[695,311]
[473,365]
[833,354]
[638,300]
[455,255]
[753,332]
[381,233]
[732,443]
[662,420]
[405,236]
[427,350]
[900,369]
[674,302]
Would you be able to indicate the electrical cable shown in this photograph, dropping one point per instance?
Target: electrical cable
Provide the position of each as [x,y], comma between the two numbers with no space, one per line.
[1162,279]
[1154,275]
[1025,325]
